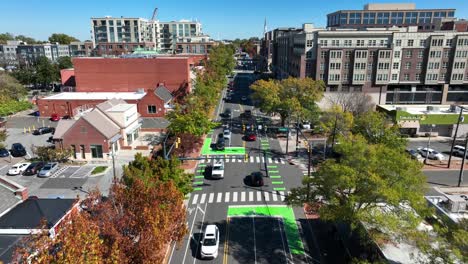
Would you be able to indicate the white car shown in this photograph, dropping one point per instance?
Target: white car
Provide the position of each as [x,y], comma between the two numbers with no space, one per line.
[217,171]
[18,168]
[210,242]
[227,134]
[431,154]
[458,151]
[305,125]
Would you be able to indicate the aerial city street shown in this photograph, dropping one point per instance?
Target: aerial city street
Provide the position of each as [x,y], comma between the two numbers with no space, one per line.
[315,133]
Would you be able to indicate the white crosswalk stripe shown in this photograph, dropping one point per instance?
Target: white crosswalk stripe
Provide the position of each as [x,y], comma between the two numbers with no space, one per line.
[227,197]
[210,199]
[283,162]
[259,196]
[274,197]
[258,159]
[234,160]
[282,195]
[202,199]
[242,196]
[269,160]
[234,197]
[251,196]
[195,199]
[267,196]
[228,160]
[251,159]
[219,197]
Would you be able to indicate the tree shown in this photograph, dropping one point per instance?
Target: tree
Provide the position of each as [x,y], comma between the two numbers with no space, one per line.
[62,38]
[354,102]
[153,171]
[26,39]
[195,122]
[11,88]
[352,189]
[46,71]
[3,137]
[4,37]
[25,76]
[289,97]
[64,63]
[335,123]
[46,153]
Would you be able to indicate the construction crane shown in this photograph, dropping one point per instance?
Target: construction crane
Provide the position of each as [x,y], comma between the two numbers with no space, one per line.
[155,12]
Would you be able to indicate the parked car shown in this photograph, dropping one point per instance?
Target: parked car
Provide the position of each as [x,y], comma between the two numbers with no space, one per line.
[49,169]
[43,130]
[305,125]
[247,114]
[54,117]
[18,168]
[227,113]
[227,134]
[210,242]
[431,153]
[217,171]
[4,153]
[458,150]
[243,98]
[413,154]
[17,150]
[220,143]
[255,179]
[34,168]
[250,136]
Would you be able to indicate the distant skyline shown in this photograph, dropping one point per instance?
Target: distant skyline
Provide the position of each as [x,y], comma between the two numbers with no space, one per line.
[221,19]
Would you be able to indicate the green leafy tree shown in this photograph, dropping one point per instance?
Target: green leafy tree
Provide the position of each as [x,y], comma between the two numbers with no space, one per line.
[378,129]
[27,39]
[62,38]
[46,153]
[289,97]
[153,171]
[4,37]
[46,71]
[25,76]
[64,63]
[352,188]
[11,88]
[195,122]
[335,123]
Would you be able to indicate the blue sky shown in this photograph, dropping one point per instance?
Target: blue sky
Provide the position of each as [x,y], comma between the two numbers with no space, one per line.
[220,18]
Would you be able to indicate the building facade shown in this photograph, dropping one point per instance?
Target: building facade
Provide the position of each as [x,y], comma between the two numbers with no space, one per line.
[81,49]
[15,52]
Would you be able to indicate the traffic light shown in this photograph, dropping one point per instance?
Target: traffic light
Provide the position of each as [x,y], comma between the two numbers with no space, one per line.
[246,157]
[177,142]
[243,128]
[306,143]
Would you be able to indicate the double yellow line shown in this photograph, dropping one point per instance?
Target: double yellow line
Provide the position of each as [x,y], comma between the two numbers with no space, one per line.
[226,243]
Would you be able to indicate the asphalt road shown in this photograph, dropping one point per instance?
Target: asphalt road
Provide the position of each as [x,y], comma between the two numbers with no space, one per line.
[247,238]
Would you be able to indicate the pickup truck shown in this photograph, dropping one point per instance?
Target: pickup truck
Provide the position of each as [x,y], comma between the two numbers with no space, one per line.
[217,171]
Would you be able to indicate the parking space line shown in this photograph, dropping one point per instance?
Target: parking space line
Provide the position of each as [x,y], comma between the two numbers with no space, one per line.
[202,199]
[210,199]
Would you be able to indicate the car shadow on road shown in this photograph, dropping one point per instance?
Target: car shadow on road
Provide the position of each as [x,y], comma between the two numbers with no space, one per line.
[195,244]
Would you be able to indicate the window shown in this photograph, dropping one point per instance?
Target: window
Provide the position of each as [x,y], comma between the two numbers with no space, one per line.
[418,65]
[411,17]
[398,43]
[151,109]
[425,17]
[369,65]
[345,77]
[417,77]
[420,54]
[385,54]
[442,77]
[371,54]
[383,66]
[432,77]
[368,18]
[394,77]
[435,54]
[360,54]
[323,42]
[323,54]
[396,65]
[410,42]
[461,54]
[382,77]
[348,43]
[422,42]
[335,54]
[96,151]
[83,130]
[396,54]
[459,65]
[359,77]
[408,54]
[343,18]
[360,42]
[397,18]
[437,42]
[406,77]
[360,66]
[309,55]
[383,18]
[355,18]
[346,66]
[309,43]
[335,42]
[371,42]
[322,66]
[321,76]
[335,66]
[440,14]
[448,42]
[347,54]
[407,65]
[446,53]
[334,77]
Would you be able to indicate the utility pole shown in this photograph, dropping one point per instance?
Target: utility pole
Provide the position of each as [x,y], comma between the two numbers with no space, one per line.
[428,144]
[334,131]
[460,119]
[460,176]
[287,136]
[309,150]
[297,138]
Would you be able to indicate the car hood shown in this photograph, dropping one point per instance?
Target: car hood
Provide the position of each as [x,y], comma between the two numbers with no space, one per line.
[209,249]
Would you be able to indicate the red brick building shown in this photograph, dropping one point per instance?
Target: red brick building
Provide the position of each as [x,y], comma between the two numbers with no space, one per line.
[152,103]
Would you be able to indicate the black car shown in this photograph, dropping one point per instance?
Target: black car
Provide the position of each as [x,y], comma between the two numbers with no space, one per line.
[17,150]
[43,130]
[255,179]
[220,143]
[34,168]
[227,113]
[247,114]
[4,153]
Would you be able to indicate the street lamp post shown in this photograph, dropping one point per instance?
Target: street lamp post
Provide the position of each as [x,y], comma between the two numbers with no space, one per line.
[428,144]
[461,118]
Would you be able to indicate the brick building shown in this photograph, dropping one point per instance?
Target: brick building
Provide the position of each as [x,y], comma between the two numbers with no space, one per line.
[152,103]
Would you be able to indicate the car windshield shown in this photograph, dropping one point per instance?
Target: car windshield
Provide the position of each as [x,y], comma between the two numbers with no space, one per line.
[209,242]
[47,167]
[218,167]
[435,152]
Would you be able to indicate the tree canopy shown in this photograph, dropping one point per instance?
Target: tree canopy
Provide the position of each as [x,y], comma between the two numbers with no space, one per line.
[62,38]
[64,63]
[289,97]
[10,87]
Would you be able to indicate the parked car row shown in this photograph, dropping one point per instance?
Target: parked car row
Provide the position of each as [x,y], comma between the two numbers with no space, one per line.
[40,168]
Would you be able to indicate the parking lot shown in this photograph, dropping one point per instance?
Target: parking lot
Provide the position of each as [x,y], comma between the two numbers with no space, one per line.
[441,145]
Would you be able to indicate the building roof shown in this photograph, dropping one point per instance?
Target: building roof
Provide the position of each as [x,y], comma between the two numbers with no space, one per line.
[110,104]
[29,214]
[8,199]
[163,93]
[8,245]
[423,109]
[62,127]
[96,96]
[102,123]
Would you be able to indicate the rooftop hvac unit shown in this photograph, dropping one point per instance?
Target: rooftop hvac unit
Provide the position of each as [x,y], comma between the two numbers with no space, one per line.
[456,203]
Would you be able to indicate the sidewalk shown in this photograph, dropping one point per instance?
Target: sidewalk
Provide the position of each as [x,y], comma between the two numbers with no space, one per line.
[433,139]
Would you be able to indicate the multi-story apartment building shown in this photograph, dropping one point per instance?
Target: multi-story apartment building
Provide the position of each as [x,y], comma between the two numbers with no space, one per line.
[394,65]
[115,36]
[15,52]
[81,49]
[196,45]
[8,53]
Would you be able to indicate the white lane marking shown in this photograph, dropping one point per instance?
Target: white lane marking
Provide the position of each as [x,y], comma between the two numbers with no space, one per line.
[239,160]
[282,161]
[282,195]
[259,196]
[226,197]
[219,197]
[282,240]
[273,195]
[234,160]
[255,242]
[269,160]
[234,197]
[210,199]
[242,196]
[228,160]
[190,235]
[202,224]
[202,199]
[251,159]
[251,196]
[195,199]
[263,159]
[258,159]
[267,196]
